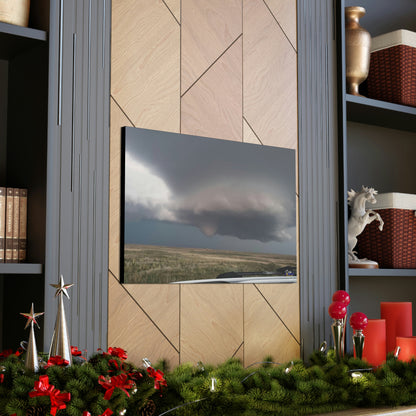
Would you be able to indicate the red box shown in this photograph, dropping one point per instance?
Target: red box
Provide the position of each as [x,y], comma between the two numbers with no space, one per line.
[395,246]
[392,73]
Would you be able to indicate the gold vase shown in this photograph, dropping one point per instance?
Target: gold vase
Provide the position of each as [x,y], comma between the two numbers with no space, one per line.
[357,49]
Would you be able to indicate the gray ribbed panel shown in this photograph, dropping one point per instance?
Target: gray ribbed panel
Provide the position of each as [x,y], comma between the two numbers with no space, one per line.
[78,168]
[318,169]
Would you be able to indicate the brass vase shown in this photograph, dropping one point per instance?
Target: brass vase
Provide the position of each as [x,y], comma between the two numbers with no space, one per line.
[357,49]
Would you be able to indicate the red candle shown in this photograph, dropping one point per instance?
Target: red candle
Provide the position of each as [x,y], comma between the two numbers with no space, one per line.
[398,316]
[407,348]
[374,350]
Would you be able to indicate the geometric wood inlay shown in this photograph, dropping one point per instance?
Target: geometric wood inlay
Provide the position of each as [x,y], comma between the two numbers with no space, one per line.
[161,303]
[264,332]
[270,83]
[145,70]
[208,29]
[211,322]
[284,299]
[213,106]
[175,8]
[129,328]
[249,135]
[284,12]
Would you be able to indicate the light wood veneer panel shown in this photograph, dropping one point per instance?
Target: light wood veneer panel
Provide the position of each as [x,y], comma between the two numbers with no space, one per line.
[270,78]
[249,135]
[264,333]
[208,29]
[129,328]
[213,106]
[285,301]
[145,67]
[161,303]
[117,120]
[175,8]
[211,322]
[285,13]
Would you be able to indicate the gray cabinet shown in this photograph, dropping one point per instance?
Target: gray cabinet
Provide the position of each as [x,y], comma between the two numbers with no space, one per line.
[54,140]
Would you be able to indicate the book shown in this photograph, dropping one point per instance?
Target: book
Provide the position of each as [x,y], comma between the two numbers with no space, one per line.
[22,225]
[2,221]
[8,251]
[15,234]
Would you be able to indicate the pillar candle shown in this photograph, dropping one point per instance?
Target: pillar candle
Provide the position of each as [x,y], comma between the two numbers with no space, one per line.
[398,316]
[407,348]
[374,350]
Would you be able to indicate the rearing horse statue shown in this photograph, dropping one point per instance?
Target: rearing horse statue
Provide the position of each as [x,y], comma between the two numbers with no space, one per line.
[360,217]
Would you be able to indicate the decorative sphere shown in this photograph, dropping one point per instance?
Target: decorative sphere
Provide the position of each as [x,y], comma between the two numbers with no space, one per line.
[341,296]
[358,321]
[337,310]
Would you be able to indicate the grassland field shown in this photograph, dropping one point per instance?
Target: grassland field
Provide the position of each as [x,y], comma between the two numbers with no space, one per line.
[156,264]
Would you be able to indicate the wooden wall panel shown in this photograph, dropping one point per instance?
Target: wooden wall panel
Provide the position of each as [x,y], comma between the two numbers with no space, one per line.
[284,12]
[213,106]
[131,329]
[264,332]
[234,86]
[209,27]
[284,299]
[175,7]
[211,322]
[145,63]
[269,72]
[248,134]
[161,303]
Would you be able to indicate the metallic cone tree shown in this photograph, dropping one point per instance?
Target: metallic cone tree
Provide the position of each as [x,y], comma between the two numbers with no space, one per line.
[60,344]
[32,360]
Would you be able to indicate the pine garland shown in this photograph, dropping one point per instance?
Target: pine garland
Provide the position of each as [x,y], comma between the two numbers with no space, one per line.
[296,388]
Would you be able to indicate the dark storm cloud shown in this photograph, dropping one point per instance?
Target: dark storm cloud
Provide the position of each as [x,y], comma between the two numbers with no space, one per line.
[223,188]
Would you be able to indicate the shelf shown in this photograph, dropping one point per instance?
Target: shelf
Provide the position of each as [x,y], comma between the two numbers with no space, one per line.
[21,268]
[380,113]
[381,272]
[16,39]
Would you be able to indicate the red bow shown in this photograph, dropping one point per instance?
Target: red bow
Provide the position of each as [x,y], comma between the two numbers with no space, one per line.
[135,375]
[6,353]
[107,412]
[58,399]
[157,375]
[76,352]
[118,352]
[119,381]
[1,378]
[56,360]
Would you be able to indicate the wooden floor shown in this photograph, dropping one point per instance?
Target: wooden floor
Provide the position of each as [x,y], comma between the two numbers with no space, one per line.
[388,411]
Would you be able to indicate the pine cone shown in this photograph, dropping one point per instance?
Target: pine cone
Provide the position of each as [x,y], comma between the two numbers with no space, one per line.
[39,410]
[148,409]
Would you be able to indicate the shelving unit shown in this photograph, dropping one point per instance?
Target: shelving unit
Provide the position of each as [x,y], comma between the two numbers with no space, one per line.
[377,147]
[14,40]
[24,66]
[21,268]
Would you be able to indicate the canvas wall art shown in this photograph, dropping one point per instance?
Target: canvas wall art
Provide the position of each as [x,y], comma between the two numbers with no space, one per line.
[197,209]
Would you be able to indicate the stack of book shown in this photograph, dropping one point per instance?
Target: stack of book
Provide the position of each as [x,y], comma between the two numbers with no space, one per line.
[13,225]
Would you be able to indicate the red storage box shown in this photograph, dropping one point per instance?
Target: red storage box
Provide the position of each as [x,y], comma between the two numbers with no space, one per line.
[392,73]
[395,246]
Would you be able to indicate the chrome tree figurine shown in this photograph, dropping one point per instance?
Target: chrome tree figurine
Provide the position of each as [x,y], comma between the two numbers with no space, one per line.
[32,360]
[60,344]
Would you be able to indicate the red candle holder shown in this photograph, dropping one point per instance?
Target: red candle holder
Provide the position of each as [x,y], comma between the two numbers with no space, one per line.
[374,350]
[407,348]
[398,316]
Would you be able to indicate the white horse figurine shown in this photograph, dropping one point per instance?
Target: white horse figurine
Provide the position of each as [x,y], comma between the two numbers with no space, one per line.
[360,217]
